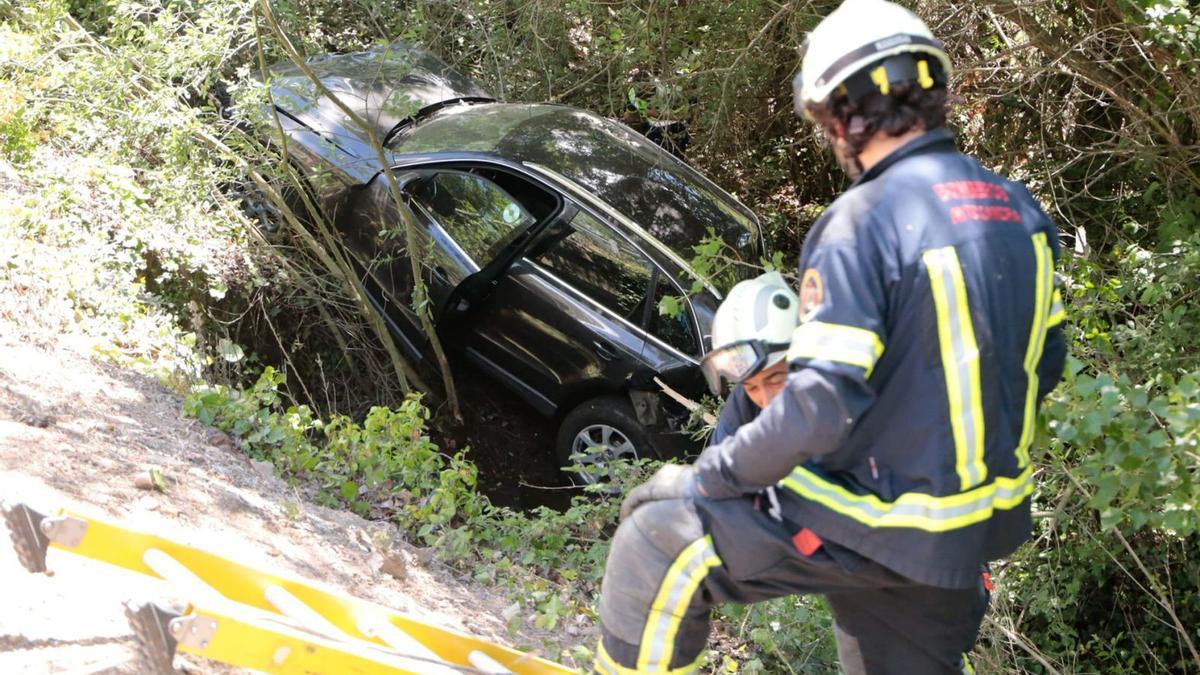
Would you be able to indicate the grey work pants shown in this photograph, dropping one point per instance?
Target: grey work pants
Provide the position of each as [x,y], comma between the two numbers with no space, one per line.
[671,561]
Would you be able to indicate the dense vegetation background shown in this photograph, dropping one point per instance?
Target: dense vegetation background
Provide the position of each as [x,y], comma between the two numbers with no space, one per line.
[118,225]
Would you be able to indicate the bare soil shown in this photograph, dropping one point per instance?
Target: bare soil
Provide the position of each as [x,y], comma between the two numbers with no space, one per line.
[510,443]
[75,432]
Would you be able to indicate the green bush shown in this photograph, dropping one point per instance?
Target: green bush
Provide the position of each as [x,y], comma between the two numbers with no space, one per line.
[1112,580]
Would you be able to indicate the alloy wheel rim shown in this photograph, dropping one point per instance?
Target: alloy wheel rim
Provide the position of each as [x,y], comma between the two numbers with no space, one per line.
[596,445]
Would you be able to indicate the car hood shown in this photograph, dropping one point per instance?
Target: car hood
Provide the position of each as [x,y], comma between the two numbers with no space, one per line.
[386,86]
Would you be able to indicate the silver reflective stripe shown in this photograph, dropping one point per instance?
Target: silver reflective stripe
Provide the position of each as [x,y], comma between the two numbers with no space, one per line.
[674,595]
[911,509]
[837,343]
[603,666]
[960,361]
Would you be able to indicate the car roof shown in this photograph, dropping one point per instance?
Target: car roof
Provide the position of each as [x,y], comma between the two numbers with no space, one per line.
[670,200]
[386,86]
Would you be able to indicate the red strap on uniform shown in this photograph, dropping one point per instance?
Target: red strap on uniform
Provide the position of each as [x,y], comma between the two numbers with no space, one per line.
[987,581]
[806,541]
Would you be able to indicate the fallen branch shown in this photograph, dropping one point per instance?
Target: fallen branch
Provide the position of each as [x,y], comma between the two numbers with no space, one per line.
[686,402]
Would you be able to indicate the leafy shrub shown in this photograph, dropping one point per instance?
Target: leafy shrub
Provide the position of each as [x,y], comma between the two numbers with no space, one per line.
[1117,499]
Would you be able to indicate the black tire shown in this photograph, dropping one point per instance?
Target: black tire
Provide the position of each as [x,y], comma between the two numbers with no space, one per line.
[591,418]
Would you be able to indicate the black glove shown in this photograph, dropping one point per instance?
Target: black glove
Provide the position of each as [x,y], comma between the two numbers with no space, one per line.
[672,481]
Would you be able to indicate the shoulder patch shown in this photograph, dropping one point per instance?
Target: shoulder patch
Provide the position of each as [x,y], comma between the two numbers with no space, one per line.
[812,292]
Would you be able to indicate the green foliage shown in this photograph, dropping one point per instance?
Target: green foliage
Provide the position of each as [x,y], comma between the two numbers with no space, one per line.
[797,631]
[1126,419]
[386,460]
[1137,309]
[1136,445]
[1119,532]
[1173,24]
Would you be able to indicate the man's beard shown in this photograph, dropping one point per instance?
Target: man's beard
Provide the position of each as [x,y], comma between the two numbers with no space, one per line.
[845,157]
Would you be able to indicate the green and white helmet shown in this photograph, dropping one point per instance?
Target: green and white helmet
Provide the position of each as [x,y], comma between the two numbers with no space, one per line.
[858,34]
[751,330]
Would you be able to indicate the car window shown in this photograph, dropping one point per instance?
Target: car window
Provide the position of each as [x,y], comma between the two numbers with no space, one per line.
[678,330]
[478,214]
[602,265]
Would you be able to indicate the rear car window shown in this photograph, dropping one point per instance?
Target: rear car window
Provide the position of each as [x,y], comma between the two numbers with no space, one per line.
[677,330]
[602,265]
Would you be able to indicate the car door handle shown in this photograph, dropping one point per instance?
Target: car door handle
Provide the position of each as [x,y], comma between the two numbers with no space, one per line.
[605,350]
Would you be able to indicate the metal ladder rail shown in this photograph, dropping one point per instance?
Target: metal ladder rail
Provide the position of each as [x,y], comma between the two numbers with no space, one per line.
[96,539]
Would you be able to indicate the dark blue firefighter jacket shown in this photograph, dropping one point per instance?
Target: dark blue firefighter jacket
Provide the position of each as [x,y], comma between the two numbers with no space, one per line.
[930,332]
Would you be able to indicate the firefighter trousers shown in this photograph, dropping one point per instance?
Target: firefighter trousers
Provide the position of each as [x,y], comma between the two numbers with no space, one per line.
[672,560]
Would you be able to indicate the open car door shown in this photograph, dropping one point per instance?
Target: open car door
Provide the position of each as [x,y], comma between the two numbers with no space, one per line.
[470,230]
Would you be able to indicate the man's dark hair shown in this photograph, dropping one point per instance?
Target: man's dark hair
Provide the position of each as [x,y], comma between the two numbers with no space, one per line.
[905,108]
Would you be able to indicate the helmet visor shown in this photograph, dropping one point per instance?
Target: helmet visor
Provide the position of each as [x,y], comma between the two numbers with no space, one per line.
[737,361]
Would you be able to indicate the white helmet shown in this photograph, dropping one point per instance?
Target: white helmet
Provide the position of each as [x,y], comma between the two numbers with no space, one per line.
[751,329]
[859,33]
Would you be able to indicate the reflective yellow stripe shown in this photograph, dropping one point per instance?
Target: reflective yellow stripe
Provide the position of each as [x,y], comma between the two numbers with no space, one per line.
[838,343]
[605,664]
[960,361]
[674,594]
[1057,313]
[914,509]
[967,669]
[1037,340]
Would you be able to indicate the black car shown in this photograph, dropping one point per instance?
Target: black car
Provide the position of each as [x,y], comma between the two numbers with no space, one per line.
[551,237]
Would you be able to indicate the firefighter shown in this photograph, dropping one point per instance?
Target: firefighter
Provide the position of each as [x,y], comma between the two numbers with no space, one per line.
[895,462]
[751,333]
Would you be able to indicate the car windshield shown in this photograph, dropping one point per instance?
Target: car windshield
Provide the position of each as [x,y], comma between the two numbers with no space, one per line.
[666,197]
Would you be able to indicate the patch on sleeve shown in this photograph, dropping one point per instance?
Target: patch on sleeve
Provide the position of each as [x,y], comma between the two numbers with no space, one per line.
[812,292]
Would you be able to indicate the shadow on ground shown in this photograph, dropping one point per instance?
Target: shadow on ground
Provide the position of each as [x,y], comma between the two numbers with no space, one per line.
[510,443]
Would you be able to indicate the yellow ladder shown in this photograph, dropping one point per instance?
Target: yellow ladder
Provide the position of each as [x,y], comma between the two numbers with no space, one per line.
[254,619]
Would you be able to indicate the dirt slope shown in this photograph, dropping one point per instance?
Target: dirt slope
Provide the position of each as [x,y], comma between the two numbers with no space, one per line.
[74,433]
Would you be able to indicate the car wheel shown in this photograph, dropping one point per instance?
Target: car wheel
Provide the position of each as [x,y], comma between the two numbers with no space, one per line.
[598,431]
